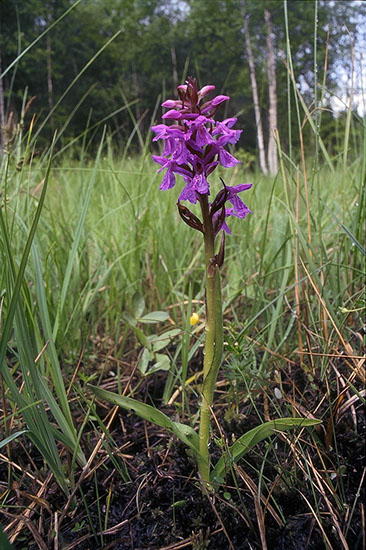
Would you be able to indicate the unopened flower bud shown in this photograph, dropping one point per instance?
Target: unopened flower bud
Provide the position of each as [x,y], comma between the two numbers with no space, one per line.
[170,103]
[172,114]
[205,90]
[219,99]
[194,319]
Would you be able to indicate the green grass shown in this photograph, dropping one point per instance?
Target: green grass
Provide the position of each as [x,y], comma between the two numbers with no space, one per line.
[105,237]
[95,256]
[107,232]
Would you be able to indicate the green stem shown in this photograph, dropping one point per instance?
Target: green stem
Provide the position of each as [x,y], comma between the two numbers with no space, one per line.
[213,342]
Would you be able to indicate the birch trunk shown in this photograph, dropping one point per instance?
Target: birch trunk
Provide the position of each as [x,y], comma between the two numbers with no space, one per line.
[272,96]
[2,113]
[257,111]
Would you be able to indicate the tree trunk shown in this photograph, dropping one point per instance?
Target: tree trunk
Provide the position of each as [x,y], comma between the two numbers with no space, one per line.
[272,95]
[257,111]
[136,90]
[175,69]
[49,79]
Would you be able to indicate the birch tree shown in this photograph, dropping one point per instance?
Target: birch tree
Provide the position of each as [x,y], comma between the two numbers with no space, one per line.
[257,109]
[272,96]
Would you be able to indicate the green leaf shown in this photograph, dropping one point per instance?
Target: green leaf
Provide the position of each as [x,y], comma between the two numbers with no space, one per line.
[162,363]
[77,237]
[4,542]
[345,229]
[138,304]
[160,342]
[140,335]
[130,320]
[154,317]
[40,431]
[185,433]
[144,361]
[179,504]
[254,436]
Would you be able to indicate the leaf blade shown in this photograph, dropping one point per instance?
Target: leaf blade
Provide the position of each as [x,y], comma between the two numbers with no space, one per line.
[254,436]
[185,433]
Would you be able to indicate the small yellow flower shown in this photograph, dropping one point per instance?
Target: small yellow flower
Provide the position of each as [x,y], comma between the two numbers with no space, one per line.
[194,319]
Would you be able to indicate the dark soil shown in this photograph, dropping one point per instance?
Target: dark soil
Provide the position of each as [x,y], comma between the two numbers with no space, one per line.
[153,500]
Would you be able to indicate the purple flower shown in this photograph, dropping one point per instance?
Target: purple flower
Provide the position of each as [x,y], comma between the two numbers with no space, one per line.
[227,135]
[227,160]
[172,167]
[194,147]
[197,184]
[241,209]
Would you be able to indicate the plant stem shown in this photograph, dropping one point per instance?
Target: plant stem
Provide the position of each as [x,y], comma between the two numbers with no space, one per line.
[213,342]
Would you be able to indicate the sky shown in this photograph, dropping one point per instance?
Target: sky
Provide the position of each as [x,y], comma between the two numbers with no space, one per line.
[357,81]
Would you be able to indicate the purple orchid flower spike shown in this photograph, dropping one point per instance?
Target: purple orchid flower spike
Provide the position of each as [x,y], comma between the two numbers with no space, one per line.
[194,147]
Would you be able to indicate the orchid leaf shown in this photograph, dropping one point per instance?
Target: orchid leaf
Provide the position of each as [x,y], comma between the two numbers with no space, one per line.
[254,436]
[185,433]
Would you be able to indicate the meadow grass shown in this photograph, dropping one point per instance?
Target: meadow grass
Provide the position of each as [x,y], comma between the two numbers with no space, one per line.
[106,238]
[110,232]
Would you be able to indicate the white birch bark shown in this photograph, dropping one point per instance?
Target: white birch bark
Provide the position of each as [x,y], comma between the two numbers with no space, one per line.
[257,111]
[272,96]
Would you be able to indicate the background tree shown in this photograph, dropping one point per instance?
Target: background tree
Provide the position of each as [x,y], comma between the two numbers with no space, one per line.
[160,43]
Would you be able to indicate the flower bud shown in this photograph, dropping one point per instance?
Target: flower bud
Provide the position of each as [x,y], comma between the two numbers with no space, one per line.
[219,99]
[194,319]
[170,103]
[173,114]
[205,90]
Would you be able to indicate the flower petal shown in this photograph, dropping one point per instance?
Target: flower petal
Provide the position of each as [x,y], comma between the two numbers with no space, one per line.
[173,115]
[219,99]
[201,184]
[226,159]
[170,103]
[205,90]
[168,181]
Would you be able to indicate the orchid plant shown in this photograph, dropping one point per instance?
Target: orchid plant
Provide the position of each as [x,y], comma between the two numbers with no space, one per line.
[195,145]
[194,148]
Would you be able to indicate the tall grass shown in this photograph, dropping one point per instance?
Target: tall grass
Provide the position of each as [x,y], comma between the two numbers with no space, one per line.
[107,232]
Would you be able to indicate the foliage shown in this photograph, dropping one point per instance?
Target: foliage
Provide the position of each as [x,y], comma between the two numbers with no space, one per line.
[158,44]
